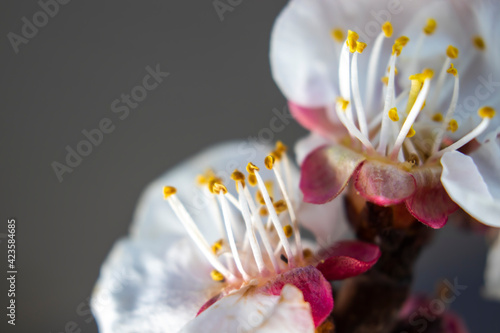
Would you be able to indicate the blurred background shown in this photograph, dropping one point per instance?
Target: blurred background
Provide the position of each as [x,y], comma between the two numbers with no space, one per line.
[69,76]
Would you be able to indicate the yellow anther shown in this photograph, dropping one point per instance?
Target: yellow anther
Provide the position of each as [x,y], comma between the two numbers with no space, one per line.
[452,70]
[216,275]
[269,187]
[252,180]
[280,147]
[479,43]
[352,39]
[307,253]
[280,206]
[428,73]
[288,230]
[393,114]
[263,211]
[430,26]
[452,126]
[201,180]
[168,191]
[238,176]
[344,103]
[395,70]
[402,40]
[486,112]
[385,80]
[387,29]
[251,168]
[219,188]
[276,154]
[337,35]
[452,52]
[411,132]
[360,46]
[260,198]
[269,162]
[437,117]
[217,246]
[399,43]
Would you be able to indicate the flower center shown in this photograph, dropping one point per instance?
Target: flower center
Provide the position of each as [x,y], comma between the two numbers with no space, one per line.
[384,129]
[264,248]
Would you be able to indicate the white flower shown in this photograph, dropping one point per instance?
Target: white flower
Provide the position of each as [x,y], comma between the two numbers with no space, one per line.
[401,87]
[492,274]
[189,266]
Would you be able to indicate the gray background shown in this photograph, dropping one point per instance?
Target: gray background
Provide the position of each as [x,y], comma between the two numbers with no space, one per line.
[64,80]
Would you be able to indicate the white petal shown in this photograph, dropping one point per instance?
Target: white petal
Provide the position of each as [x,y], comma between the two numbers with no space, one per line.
[327,221]
[492,273]
[154,219]
[304,57]
[465,185]
[247,311]
[151,286]
[487,160]
[307,144]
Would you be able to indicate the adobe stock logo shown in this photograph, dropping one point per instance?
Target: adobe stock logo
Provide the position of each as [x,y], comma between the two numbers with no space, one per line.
[30,28]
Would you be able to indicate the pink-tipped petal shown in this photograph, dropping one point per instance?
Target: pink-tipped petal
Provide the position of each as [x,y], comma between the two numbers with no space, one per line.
[384,184]
[347,259]
[326,171]
[316,289]
[316,120]
[430,204]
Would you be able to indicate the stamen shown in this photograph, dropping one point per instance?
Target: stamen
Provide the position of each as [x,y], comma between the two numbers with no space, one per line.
[349,125]
[250,231]
[452,53]
[221,190]
[487,113]
[412,116]
[337,34]
[452,126]
[269,161]
[193,231]
[360,112]
[437,117]
[344,79]
[216,275]
[449,114]
[272,212]
[389,96]
[288,231]
[257,222]
[479,43]
[374,59]
[393,114]
[430,27]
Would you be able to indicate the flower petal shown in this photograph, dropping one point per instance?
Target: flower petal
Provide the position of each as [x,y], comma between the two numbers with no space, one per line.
[466,186]
[327,222]
[347,259]
[316,120]
[430,204]
[306,145]
[145,286]
[154,219]
[384,184]
[326,172]
[316,290]
[249,310]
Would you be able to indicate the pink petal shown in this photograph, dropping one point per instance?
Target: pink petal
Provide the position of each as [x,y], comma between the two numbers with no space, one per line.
[347,259]
[316,289]
[326,171]
[430,204]
[384,184]
[316,120]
